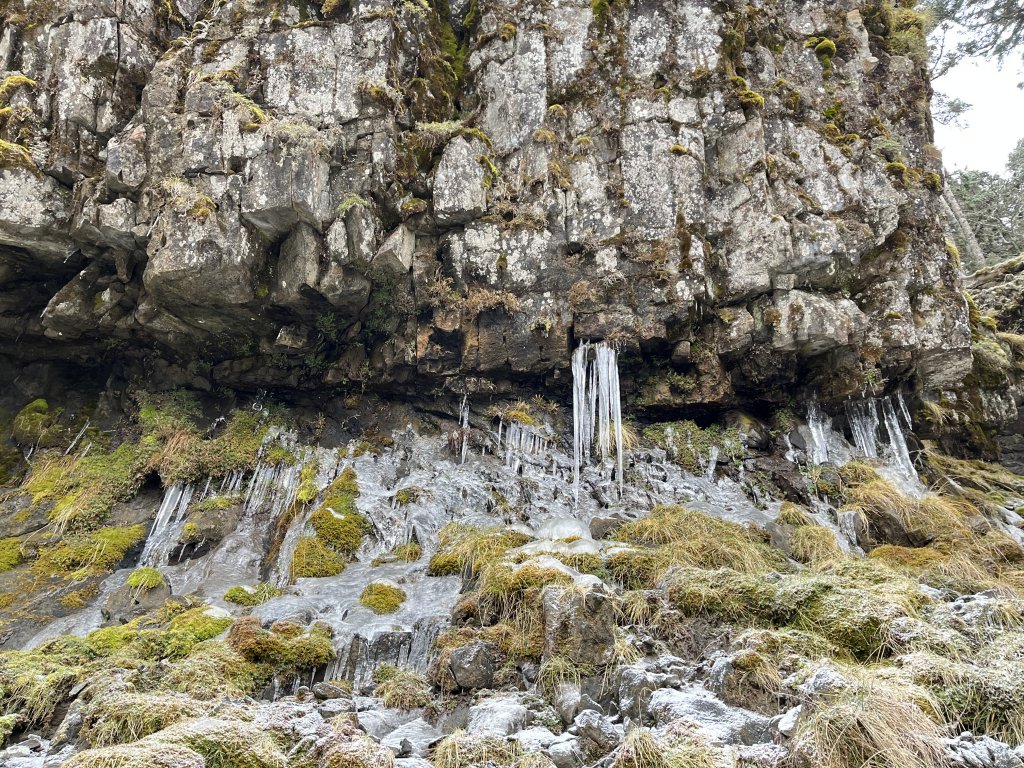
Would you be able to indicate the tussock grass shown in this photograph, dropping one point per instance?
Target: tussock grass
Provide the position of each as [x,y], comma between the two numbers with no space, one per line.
[118,717]
[984,695]
[792,514]
[401,688]
[814,544]
[677,536]
[461,749]
[466,549]
[871,722]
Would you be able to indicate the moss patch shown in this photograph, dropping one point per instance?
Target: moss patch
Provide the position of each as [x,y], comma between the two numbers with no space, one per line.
[382,598]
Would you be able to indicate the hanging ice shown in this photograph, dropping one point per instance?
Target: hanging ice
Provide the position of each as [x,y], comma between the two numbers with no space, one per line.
[164,532]
[818,424]
[863,418]
[596,407]
[464,423]
[897,442]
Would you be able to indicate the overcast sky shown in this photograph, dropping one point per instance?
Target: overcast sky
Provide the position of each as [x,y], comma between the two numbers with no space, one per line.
[994,124]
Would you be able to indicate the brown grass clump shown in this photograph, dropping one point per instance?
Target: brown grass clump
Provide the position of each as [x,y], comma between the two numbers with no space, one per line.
[871,722]
[702,541]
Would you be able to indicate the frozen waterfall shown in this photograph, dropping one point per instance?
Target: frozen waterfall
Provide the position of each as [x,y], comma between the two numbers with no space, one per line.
[866,418]
[596,407]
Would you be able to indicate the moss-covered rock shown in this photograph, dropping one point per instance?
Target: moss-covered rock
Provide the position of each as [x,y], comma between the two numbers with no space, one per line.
[381,597]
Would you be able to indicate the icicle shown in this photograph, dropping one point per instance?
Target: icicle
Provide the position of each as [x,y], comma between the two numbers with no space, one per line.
[464,413]
[903,409]
[863,417]
[897,442]
[712,464]
[596,405]
[817,423]
[77,438]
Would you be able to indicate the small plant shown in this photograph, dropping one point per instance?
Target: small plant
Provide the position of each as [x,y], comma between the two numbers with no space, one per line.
[146,578]
[252,596]
[382,598]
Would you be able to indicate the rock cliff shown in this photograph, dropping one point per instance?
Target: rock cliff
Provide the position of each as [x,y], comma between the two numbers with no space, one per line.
[265,194]
[397,384]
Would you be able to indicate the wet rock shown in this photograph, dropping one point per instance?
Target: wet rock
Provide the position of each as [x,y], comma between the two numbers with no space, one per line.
[412,739]
[126,602]
[579,624]
[473,665]
[327,690]
[498,715]
[598,729]
[972,751]
[730,725]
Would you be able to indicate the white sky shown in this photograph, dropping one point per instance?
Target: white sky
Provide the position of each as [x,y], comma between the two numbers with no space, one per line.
[995,122]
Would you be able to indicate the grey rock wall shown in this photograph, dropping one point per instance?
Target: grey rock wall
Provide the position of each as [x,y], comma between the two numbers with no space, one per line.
[265,194]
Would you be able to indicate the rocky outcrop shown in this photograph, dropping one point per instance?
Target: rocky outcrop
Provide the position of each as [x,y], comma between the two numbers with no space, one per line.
[744,199]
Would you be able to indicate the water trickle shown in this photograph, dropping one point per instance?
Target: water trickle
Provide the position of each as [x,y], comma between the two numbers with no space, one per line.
[596,408]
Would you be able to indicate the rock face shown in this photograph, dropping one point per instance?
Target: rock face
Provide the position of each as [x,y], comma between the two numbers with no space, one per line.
[302,198]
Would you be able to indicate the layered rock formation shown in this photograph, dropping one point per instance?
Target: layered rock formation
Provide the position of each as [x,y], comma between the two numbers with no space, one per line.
[297,465]
[743,197]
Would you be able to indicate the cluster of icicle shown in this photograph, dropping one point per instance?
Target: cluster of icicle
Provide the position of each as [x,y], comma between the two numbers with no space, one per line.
[596,407]
[865,418]
[271,485]
[520,440]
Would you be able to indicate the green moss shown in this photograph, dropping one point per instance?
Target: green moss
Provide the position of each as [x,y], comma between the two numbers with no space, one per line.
[252,596]
[406,553]
[188,629]
[382,598]
[349,203]
[283,647]
[32,422]
[690,445]
[409,495]
[825,50]
[83,489]
[337,522]
[7,725]
[465,549]
[11,555]
[314,559]
[212,670]
[185,456]
[11,83]
[15,156]
[853,607]
[749,98]
[146,578]
[89,553]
